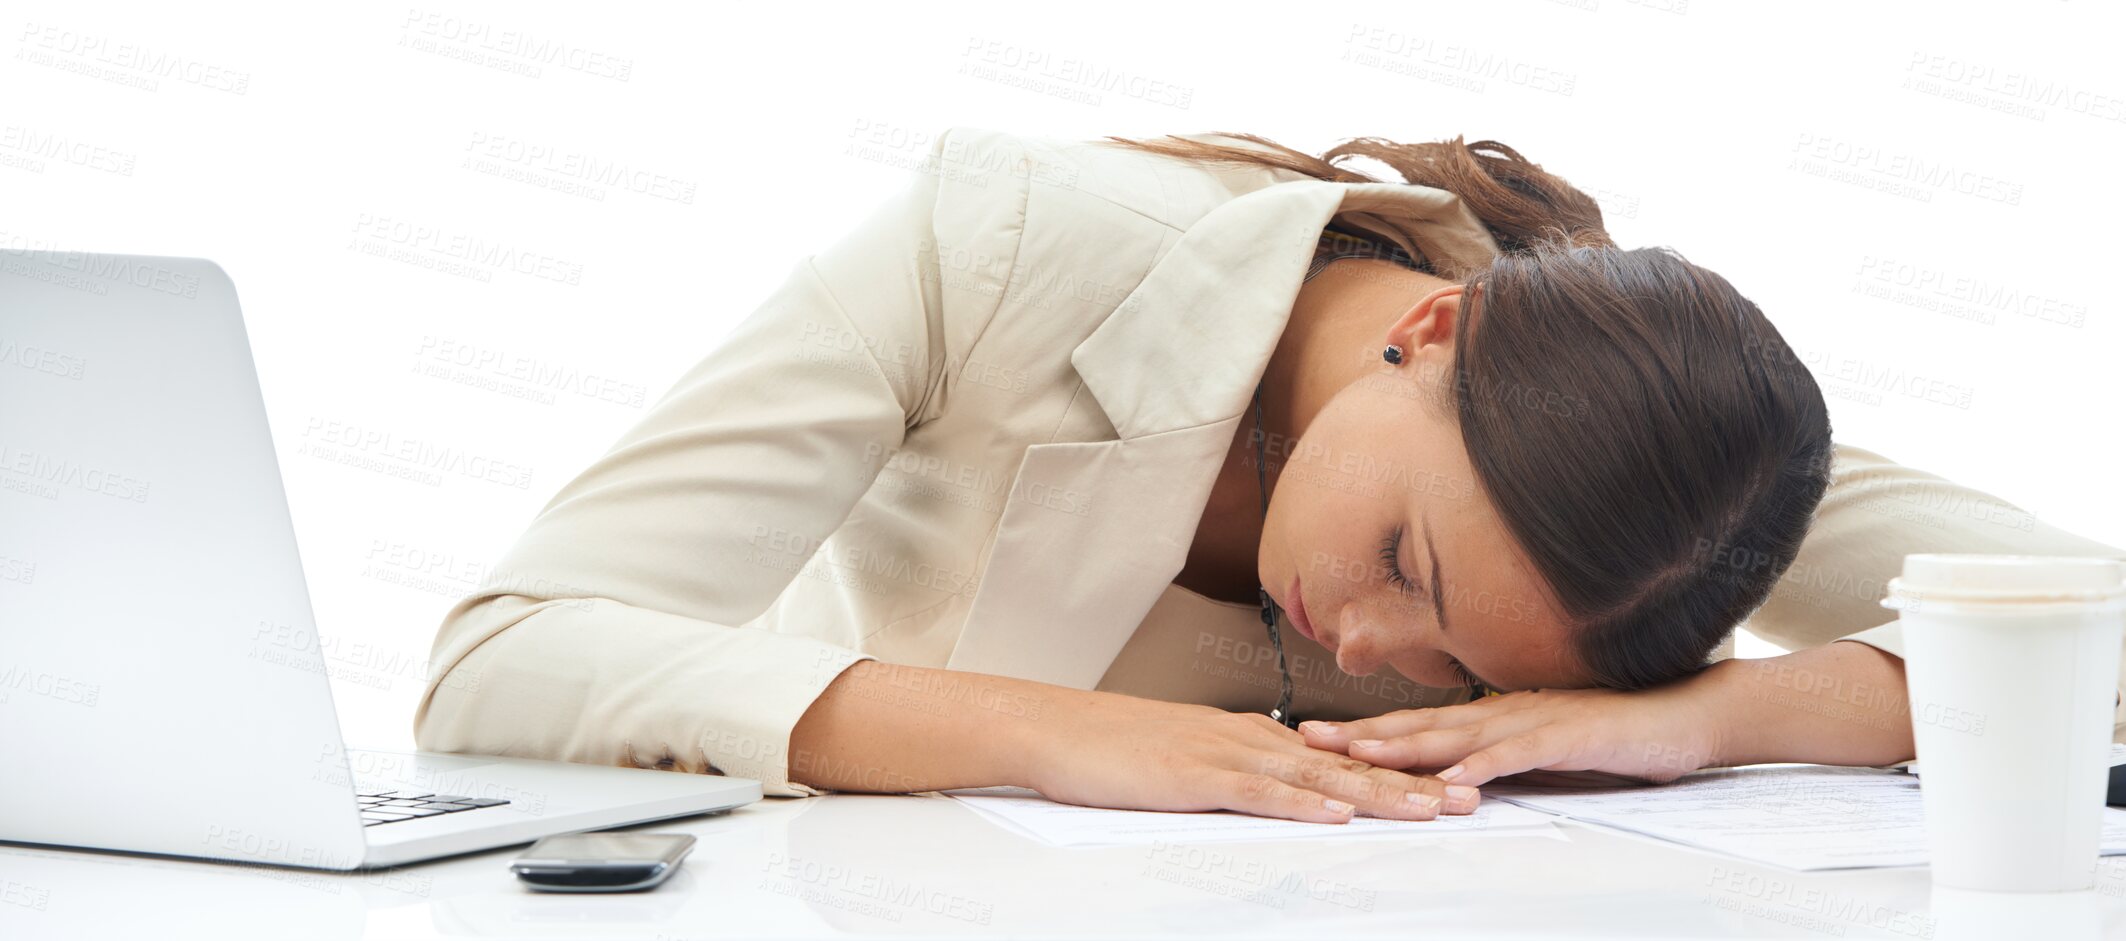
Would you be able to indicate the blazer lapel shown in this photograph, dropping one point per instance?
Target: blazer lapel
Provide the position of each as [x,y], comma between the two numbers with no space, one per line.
[1093,531]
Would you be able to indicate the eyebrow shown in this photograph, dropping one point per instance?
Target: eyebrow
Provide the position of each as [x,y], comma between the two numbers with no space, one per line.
[1438,593]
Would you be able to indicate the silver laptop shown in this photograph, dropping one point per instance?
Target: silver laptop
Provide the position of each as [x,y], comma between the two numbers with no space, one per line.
[160,687]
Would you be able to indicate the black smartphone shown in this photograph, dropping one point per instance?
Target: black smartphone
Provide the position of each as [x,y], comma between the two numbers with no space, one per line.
[601,862]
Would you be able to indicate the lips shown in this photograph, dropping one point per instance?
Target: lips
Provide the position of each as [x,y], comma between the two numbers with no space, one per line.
[1298,611]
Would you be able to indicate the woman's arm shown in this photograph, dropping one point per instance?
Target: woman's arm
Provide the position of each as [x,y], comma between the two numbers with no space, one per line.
[1838,704]
[892,728]
[613,631]
[1875,513]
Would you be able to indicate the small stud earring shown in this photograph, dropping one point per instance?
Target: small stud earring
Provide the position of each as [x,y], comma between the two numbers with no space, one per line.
[1393,354]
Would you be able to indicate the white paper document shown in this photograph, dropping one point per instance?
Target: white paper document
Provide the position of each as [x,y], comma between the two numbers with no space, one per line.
[1797,816]
[1026,811]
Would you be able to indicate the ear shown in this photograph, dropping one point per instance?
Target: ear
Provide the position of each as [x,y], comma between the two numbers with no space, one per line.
[1431,322]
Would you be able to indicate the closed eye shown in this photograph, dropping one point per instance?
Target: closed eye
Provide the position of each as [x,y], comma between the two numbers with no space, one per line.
[1391,557]
[1466,678]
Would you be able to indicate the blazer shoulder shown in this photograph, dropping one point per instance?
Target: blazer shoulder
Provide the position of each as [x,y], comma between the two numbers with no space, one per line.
[1172,191]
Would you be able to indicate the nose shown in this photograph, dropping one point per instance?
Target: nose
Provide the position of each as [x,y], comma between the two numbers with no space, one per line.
[1358,644]
[1369,635]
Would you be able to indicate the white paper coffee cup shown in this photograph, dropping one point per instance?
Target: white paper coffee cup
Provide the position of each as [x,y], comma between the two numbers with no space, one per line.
[2012,663]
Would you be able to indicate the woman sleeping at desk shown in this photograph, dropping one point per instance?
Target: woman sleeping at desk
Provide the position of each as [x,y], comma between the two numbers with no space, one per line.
[1205,474]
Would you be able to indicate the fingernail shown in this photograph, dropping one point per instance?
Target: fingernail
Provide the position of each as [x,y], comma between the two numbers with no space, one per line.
[1319,727]
[1461,794]
[1447,775]
[1426,801]
[1366,743]
[1336,806]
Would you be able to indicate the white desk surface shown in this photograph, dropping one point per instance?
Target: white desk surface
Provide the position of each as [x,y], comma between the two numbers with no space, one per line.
[922,866]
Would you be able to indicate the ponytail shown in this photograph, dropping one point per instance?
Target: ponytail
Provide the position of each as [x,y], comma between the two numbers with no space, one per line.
[1517,200]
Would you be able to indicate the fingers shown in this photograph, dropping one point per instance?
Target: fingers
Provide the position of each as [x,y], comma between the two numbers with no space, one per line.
[1266,796]
[1336,736]
[1442,748]
[1374,791]
[1454,798]
[1513,755]
[1284,778]
[1274,727]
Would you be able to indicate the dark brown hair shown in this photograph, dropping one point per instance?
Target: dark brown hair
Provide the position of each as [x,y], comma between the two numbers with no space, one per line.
[1662,504]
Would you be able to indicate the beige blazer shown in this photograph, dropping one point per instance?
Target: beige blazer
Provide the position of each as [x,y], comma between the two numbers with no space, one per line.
[977,432]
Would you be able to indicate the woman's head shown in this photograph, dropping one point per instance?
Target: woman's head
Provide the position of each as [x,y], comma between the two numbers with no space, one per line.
[1611,451]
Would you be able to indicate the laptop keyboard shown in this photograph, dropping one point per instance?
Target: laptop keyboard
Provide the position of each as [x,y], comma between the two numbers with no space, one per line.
[392,806]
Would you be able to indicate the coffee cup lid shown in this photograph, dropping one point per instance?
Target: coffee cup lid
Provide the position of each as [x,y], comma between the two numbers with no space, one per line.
[2008,579]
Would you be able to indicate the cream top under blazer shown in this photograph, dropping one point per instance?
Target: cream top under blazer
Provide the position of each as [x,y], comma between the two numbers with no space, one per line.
[977,432]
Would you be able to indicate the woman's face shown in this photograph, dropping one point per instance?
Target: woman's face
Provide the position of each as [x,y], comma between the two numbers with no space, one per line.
[1378,536]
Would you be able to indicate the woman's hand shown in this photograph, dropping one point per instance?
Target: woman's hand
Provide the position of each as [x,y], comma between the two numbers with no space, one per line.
[1654,735]
[1126,752]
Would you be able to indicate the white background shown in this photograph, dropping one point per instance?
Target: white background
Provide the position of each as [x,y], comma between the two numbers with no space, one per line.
[1969,154]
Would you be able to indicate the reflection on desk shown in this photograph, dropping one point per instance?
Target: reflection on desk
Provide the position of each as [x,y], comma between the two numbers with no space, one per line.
[922,865]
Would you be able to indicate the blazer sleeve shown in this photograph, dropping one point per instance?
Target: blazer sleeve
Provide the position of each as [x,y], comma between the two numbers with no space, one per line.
[614,631]
[1874,513]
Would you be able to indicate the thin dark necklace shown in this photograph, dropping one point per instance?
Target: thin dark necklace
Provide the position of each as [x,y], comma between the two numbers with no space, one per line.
[1283,712]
